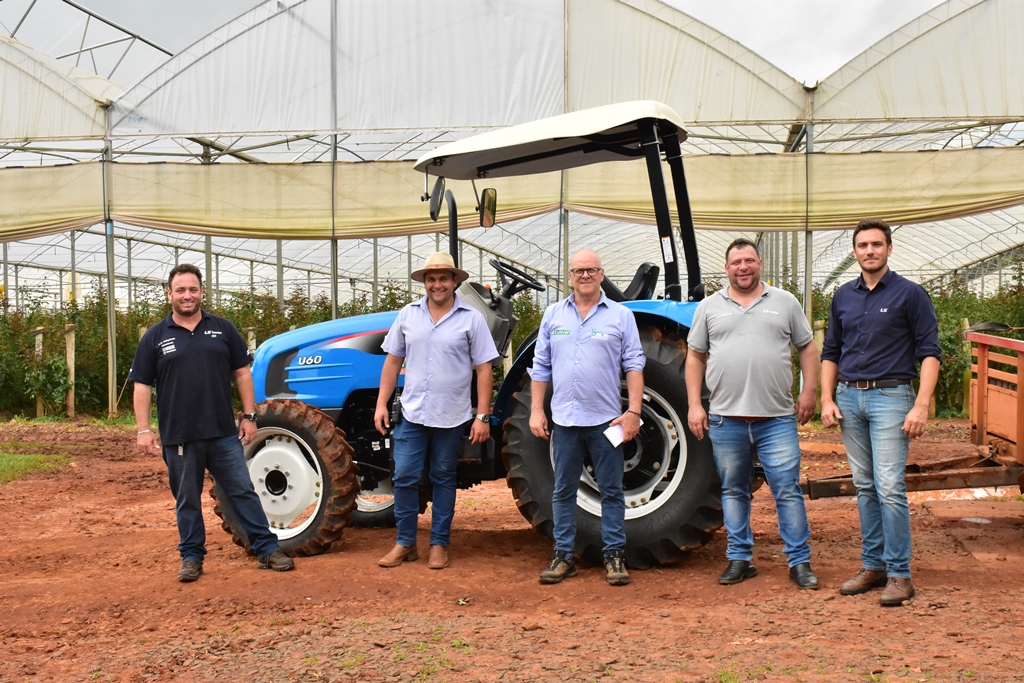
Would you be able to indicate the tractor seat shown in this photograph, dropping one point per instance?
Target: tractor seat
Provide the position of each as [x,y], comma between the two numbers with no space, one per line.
[642,286]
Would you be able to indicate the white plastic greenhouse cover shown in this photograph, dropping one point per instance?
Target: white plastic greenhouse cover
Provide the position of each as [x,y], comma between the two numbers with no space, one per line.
[463,65]
[42,99]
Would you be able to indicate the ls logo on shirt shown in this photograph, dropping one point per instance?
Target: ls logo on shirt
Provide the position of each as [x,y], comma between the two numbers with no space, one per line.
[883,310]
[213,333]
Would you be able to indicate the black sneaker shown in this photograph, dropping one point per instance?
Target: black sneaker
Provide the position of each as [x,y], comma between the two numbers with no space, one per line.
[562,566]
[615,568]
[190,571]
[277,561]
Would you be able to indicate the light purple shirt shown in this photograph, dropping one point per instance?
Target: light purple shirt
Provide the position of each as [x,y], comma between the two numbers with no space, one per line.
[586,359]
[439,361]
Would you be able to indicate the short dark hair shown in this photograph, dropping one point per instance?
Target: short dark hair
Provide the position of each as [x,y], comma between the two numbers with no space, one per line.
[739,243]
[873,224]
[184,268]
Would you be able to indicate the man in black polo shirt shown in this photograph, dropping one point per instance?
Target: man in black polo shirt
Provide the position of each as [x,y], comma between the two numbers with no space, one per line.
[880,326]
[191,357]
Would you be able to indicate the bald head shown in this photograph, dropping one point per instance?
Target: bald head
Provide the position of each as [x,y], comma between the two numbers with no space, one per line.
[585,258]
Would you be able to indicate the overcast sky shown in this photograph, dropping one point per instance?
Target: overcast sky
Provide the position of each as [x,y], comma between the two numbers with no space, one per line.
[808,39]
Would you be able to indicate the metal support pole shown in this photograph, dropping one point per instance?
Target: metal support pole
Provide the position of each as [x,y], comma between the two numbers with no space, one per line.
[376,284]
[565,251]
[131,283]
[208,273]
[108,156]
[280,273]
[334,157]
[6,288]
[808,235]
[408,264]
[74,268]
[216,279]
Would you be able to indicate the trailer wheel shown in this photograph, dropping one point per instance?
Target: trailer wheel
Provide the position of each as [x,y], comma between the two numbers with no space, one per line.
[301,467]
[670,482]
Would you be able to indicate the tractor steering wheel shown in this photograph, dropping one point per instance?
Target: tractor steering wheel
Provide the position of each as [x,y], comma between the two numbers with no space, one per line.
[519,280]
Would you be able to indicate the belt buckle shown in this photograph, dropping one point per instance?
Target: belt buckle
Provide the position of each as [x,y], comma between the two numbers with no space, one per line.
[863,384]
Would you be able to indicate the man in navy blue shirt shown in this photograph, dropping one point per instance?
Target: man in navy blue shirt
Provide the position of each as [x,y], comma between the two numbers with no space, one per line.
[880,327]
[191,357]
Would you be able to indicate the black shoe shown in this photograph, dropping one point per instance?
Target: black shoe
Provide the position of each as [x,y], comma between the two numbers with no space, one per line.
[562,566]
[615,568]
[738,570]
[190,571]
[277,561]
[802,576]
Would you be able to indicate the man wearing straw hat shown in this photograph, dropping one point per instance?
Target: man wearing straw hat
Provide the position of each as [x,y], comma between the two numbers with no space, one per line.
[441,340]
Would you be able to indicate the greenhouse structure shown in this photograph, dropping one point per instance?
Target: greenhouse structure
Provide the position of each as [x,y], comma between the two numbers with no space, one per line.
[277,151]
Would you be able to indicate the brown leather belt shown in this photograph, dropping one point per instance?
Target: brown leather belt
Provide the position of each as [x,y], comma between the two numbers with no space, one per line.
[876,383]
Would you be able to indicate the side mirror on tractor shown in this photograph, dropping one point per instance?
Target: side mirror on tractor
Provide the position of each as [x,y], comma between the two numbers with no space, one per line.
[488,206]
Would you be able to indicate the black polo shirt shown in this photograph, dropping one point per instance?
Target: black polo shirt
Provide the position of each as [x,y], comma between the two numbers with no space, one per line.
[881,333]
[192,372]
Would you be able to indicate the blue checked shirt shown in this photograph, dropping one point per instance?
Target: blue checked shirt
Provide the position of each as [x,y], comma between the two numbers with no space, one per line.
[586,359]
[439,361]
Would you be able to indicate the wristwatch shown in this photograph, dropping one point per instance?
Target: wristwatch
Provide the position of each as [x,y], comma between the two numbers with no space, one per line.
[483,417]
[251,417]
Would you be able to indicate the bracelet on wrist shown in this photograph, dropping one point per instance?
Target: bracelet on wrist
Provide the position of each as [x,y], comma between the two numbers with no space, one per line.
[634,413]
[146,431]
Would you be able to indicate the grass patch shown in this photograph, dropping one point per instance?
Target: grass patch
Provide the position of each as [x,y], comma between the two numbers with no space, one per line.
[16,465]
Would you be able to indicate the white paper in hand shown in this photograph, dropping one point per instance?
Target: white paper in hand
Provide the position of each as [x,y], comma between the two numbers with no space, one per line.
[614,434]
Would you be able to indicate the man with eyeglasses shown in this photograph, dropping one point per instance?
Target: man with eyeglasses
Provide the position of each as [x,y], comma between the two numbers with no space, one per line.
[742,335]
[584,345]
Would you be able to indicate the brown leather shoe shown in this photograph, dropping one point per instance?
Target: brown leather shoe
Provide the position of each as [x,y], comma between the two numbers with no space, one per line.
[897,591]
[398,555]
[865,580]
[438,557]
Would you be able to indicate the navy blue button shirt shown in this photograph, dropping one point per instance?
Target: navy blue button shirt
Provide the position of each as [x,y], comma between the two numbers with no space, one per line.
[192,372]
[881,333]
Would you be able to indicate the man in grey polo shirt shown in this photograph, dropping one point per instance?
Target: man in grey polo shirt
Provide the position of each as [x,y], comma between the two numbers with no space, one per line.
[742,336]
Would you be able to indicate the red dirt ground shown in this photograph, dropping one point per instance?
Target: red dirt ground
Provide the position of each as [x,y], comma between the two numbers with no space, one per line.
[88,569]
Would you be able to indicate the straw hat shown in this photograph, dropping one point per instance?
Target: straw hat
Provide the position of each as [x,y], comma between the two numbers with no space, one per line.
[440,260]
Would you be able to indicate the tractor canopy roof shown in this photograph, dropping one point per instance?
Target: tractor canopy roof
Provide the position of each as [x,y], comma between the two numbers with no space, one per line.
[580,138]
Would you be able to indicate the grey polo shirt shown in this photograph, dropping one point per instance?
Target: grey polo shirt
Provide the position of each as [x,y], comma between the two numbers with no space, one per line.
[750,369]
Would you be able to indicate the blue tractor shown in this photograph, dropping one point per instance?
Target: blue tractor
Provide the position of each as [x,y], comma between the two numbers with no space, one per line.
[318,462]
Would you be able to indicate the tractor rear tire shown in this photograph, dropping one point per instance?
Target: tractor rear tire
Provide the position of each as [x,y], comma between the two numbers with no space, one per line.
[670,481]
[297,452]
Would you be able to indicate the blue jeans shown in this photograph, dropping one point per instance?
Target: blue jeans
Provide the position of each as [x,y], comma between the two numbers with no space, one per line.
[225,460]
[876,448]
[776,443]
[571,444]
[414,445]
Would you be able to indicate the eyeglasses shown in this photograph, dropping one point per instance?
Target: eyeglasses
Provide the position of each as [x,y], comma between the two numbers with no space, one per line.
[579,272]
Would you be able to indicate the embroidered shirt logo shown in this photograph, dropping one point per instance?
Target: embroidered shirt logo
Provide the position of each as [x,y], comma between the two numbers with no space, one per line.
[560,333]
[594,332]
[883,310]
[167,346]
[213,333]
